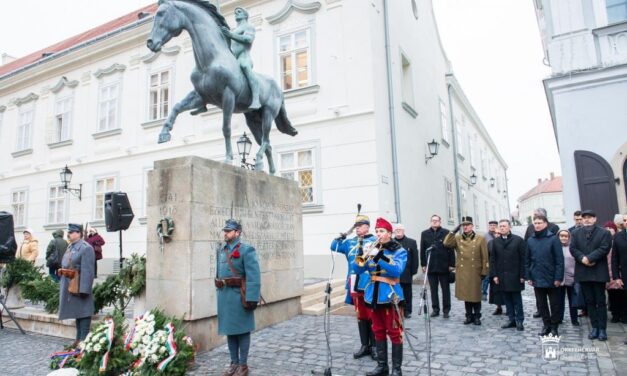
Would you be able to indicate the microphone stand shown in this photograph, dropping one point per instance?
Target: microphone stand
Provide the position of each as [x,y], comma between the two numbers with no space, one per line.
[424,309]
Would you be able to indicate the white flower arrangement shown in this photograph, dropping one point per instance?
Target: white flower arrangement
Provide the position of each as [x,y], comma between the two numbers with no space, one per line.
[95,341]
[148,343]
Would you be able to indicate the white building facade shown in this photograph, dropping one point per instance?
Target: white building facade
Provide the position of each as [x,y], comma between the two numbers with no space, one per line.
[546,194]
[367,85]
[585,43]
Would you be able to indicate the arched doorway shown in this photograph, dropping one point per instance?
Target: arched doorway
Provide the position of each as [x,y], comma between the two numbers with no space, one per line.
[597,188]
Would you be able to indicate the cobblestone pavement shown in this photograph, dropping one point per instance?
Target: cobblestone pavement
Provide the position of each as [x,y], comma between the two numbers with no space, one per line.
[297,347]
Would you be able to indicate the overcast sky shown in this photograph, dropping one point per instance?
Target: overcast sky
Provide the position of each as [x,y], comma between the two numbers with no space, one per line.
[494,46]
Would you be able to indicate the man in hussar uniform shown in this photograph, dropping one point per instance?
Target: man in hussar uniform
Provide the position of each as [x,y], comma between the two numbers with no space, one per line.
[242,40]
[472,267]
[356,282]
[237,264]
[384,294]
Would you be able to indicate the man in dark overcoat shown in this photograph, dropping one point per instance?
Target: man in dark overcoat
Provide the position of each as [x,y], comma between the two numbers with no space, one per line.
[590,246]
[507,272]
[411,269]
[619,257]
[441,262]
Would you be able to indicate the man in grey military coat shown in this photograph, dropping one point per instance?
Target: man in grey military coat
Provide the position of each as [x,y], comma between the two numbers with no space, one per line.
[80,256]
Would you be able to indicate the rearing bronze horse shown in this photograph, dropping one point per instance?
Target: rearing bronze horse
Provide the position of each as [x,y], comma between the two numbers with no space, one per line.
[217,77]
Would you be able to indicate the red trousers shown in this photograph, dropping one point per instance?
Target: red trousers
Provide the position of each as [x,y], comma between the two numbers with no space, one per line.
[363,312]
[386,322]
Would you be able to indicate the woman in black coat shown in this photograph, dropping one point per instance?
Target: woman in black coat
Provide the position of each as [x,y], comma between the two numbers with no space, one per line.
[507,272]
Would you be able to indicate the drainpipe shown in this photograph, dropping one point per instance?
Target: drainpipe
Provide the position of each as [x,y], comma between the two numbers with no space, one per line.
[388,65]
[456,168]
[509,210]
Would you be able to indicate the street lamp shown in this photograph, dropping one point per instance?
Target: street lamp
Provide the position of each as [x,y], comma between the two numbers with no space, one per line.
[473,179]
[433,150]
[66,179]
[243,148]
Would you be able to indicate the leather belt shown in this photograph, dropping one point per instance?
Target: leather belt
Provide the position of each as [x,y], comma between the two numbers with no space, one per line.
[390,281]
[228,282]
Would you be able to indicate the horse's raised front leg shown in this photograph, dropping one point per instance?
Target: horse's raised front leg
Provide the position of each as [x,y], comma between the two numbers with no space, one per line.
[228,104]
[191,101]
[266,124]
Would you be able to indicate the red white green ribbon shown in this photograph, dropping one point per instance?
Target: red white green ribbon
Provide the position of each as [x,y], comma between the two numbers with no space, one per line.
[66,355]
[170,345]
[110,326]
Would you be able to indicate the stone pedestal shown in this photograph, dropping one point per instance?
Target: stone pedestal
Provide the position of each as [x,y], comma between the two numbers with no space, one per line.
[199,194]
[14,298]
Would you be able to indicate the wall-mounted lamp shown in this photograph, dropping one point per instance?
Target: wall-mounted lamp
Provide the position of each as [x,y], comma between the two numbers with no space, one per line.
[243,148]
[473,179]
[66,179]
[433,150]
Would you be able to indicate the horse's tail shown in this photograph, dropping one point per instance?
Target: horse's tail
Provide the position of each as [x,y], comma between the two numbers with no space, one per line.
[283,124]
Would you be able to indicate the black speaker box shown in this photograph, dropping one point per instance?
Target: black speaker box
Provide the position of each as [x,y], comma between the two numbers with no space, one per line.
[8,245]
[118,211]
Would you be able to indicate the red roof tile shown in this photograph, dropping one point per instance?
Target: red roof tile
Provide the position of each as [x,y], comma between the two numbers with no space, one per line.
[76,40]
[546,186]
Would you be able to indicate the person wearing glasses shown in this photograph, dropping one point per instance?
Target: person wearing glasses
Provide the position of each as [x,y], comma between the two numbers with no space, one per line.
[441,262]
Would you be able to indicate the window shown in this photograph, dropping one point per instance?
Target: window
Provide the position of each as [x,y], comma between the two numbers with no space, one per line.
[299,166]
[24,127]
[159,95]
[407,81]
[444,122]
[464,202]
[448,185]
[294,60]
[103,185]
[56,205]
[18,205]
[459,138]
[616,10]
[62,120]
[471,151]
[109,107]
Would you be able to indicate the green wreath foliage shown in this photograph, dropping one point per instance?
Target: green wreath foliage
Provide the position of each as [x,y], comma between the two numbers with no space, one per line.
[18,271]
[42,289]
[133,275]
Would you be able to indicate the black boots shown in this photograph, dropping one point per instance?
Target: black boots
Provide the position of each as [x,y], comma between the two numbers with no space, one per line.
[519,326]
[364,337]
[372,344]
[397,359]
[545,331]
[498,311]
[470,318]
[477,320]
[382,368]
[554,332]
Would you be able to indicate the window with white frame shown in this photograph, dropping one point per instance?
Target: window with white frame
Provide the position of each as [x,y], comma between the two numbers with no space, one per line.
[407,82]
[62,119]
[299,166]
[109,107]
[459,138]
[616,10]
[159,95]
[444,122]
[18,206]
[567,16]
[450,211]
[103,185]
[56,205]
[295,59]
[25,126]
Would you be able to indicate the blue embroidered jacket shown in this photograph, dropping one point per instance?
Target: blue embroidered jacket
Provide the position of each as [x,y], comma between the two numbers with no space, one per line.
[351,248]
[388,264]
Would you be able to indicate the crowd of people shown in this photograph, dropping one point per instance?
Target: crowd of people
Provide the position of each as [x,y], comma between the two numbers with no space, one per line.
[585,264]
